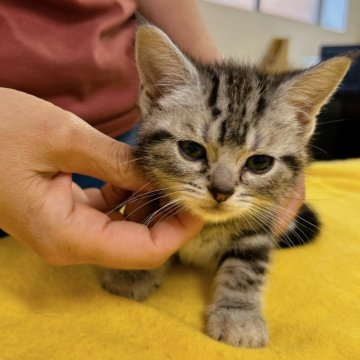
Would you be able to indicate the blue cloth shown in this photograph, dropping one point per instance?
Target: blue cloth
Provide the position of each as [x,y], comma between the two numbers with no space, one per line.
[86,181]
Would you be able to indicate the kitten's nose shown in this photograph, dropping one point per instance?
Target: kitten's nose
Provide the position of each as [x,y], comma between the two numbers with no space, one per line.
[222,183]
[220,195]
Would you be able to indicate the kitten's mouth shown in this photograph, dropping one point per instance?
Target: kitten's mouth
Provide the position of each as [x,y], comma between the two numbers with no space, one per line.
[215,209]
[216,213]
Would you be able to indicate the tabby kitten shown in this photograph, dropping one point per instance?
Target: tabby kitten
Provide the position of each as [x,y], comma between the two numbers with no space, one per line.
[228,141]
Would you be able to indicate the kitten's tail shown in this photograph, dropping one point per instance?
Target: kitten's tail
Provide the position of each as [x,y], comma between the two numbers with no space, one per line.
[302,230]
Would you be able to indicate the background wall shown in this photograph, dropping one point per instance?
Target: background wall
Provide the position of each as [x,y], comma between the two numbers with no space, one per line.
[247,35]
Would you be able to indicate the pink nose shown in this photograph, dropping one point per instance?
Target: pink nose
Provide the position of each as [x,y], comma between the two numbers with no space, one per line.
[220,196]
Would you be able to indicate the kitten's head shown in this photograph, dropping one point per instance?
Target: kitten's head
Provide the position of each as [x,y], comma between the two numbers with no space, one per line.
[223,137]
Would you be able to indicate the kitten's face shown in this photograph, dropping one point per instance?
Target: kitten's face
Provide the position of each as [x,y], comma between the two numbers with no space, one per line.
[224,139]
[220,165]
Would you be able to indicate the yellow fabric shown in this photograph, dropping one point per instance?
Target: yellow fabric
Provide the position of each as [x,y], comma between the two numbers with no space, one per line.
[311,301]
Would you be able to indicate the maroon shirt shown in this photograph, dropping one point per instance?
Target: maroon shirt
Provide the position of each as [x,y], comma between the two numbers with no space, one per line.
[77,54]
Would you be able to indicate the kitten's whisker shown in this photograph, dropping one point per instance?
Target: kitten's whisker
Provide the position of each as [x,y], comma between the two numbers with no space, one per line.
[181,208]
[297,216]
[287,230]
[168,212]
[137,196]
[164,210]
[147,203]
[152,215]
[129,201]
[194,189]
[132,160]
[255,217]
[336,121]
[120,205]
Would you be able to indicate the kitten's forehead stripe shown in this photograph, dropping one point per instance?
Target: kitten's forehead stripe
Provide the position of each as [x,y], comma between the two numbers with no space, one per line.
[215,111]
[243,112]
[222,134]
[242,134]
[261,104]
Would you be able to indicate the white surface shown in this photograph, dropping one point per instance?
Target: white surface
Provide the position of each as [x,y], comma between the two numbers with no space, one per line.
[249,5]
[301,10]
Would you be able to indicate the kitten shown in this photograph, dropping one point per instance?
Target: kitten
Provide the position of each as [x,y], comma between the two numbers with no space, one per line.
[231,140]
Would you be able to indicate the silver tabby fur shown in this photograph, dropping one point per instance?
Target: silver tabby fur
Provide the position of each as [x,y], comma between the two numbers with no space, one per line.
[234,111]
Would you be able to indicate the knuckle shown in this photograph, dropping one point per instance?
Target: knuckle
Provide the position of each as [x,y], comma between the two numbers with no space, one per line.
[66,131]
[58,117]
[121,154]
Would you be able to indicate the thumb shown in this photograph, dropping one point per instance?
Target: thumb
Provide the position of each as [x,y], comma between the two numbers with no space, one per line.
[87,151]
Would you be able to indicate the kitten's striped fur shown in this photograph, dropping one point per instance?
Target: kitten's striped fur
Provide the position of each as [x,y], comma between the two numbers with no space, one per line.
[234,111]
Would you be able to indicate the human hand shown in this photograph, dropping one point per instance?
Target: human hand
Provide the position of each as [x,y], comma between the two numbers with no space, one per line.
[41,145]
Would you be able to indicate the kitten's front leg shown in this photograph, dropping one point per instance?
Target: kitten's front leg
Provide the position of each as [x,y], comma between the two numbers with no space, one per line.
[136,284]
[235,316]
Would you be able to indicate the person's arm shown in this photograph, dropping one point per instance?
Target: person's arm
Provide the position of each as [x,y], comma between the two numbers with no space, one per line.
[40,146]
[182,21]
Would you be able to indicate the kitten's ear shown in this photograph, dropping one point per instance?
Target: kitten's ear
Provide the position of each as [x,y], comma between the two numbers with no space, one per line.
[311,89]
[162,66]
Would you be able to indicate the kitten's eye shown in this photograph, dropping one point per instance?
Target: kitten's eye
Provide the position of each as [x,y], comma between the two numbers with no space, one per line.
[192,150]
[259,164]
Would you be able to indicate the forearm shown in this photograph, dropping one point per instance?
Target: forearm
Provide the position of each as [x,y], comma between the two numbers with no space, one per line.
[182,21]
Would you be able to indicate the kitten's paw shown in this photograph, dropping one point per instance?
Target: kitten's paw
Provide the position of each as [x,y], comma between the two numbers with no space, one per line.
[137,285]
[237,327]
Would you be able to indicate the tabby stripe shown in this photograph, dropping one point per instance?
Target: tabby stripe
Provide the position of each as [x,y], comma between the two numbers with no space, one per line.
[248,255]
[239,281]
[236,305]
[156,138]
[242,134]
[258,268]
[260,106]
[215,111]
[243,112]
[214,91]
[292,162]
[230,79]
[222,132]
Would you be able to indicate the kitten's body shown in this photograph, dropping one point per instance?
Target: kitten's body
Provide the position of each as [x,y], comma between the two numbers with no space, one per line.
[228,142]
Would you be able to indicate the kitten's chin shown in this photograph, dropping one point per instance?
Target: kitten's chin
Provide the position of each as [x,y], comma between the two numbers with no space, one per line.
[216,215]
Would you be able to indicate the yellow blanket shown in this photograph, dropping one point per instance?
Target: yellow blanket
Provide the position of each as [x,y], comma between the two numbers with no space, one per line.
[312,300]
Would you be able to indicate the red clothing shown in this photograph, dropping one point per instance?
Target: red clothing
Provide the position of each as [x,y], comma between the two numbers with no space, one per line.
[77,54]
